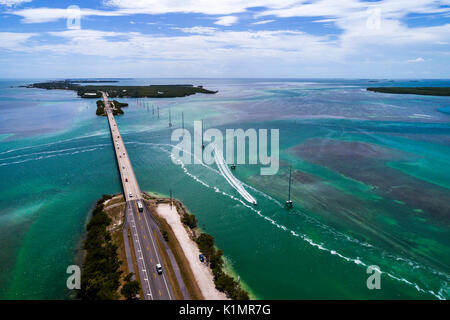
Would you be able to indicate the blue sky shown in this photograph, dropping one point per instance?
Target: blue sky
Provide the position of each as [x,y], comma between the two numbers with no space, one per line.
[225,38]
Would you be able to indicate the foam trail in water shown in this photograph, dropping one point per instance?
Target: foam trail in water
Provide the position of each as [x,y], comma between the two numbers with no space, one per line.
[47,157]
[439,295]
[95,134]
[226,173]
[53,151]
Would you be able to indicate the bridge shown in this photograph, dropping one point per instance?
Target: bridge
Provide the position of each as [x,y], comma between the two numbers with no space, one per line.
[143,227]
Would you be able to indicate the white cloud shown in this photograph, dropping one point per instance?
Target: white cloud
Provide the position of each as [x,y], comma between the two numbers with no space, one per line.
[10,3]
[226,20]
[15,41]
[222,7]
[354,44]
[324,20]
[197,29]
[263,22]
[40,15]
[216,46]
[419,59]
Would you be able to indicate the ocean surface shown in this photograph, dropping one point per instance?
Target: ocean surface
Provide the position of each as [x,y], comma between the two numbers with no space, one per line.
[370,184]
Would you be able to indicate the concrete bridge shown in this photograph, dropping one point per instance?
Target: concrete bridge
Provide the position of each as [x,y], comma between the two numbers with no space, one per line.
[143,227]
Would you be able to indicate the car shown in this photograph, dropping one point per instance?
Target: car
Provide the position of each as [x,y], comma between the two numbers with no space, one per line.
[201,257]
[130,195]
[126,180]
[159,268]
[124,153]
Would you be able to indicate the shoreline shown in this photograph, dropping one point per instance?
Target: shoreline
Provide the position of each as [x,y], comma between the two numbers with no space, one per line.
[203,274]
[206,276]
[199,279]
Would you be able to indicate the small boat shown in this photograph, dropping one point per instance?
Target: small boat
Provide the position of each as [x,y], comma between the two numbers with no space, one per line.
[233,166]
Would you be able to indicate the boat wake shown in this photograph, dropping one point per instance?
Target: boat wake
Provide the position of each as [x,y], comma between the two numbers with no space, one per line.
[321,246]
[232,180]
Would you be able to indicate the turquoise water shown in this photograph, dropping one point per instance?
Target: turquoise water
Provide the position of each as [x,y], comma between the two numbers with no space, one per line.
[370,185]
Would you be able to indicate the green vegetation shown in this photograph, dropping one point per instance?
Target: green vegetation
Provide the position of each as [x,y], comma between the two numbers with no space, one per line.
[131,287]
[172,241]
[205,243]
[428,91]
[116,107]
[151,91]
[100,278]
[100,108]
[223,282]
[189,220]
[165,234]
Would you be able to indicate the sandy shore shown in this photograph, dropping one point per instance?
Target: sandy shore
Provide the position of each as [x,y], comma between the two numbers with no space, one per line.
[202,273]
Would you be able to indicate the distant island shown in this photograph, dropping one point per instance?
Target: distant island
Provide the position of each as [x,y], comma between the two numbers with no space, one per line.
[428,91]
[90,81]
[151,91]
[115,105]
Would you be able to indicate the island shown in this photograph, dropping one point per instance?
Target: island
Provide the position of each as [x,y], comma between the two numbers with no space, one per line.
[108,271]
[428,91]
[113,91]
[116,107]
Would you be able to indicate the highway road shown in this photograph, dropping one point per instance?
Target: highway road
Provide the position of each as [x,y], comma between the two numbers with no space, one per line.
[144,228]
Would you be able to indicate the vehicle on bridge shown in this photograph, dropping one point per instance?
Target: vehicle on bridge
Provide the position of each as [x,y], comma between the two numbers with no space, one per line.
[130,195]
[159,268]
[140,207]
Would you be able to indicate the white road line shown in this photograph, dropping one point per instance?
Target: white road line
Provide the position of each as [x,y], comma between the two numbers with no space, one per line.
[126,170]
[157,255]
[145,273]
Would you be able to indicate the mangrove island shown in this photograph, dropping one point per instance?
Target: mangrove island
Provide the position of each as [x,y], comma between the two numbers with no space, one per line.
[117,91]
[427,91]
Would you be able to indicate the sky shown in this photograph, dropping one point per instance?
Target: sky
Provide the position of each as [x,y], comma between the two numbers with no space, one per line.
[225,39]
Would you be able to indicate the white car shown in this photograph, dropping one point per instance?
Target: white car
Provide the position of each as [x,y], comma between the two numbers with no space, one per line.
[130,195]
[159,268]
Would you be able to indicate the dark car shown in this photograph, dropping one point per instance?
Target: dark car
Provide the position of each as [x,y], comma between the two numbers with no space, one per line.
[202,258]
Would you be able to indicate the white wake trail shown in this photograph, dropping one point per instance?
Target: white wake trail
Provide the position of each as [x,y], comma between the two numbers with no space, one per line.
[226,173]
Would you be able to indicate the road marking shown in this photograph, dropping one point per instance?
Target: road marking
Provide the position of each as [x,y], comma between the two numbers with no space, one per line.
[157,255]
[126,171]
